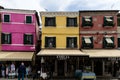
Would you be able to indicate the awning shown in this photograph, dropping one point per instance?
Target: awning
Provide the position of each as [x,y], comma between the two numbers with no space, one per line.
[87,40]
[109,40]
[87,19]
[47,52]
[16,56]
[102,53]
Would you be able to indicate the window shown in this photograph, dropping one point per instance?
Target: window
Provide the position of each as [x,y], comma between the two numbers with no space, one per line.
[71,42]
[72,22]
[87,21]
[50,42]
[6,38]
[6,18]
[108,21]
[50,21]
[108,42]
[29,19]
[118,21]
[28,39]
[87,42]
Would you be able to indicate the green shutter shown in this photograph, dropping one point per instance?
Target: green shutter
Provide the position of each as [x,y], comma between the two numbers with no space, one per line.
[31,39]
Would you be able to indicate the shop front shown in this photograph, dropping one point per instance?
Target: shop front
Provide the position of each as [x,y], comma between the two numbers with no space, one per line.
[105,62]
[62,63]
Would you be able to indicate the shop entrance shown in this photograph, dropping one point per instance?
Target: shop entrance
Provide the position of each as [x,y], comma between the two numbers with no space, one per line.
[98,68]
[60,67]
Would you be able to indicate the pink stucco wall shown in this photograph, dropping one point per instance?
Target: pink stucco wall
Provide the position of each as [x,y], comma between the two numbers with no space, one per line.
[17,27]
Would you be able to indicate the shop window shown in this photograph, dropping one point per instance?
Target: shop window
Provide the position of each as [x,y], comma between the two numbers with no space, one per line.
[6,38]
[108,21]
[50,42]
[28,39]
[50,21]
[71,22]
[6,18]
[87,42]
[87,21]
[108,42]
[71,42]
[28,19]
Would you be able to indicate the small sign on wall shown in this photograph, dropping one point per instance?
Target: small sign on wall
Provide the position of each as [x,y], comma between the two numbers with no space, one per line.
[62,57]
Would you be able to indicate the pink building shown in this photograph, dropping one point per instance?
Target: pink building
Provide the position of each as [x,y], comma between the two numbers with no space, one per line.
[98,29]
[19,30]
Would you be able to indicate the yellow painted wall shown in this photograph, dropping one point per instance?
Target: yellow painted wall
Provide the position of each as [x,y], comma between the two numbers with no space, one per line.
[60,31]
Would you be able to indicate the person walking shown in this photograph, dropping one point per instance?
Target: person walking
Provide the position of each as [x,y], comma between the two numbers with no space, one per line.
[21,71]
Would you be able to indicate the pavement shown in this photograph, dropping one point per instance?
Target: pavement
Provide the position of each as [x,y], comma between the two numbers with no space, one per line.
[16,79]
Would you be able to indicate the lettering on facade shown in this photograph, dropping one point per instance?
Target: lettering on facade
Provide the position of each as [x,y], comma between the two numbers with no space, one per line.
[114,58]
[62,57]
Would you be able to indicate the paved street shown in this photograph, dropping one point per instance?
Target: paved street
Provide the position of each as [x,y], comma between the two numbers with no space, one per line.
[16,79]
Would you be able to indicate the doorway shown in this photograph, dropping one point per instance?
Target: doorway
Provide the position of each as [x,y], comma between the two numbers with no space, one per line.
[98,69]
[60,67]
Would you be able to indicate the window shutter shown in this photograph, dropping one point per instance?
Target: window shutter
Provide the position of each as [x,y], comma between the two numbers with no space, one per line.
[31,37]
[67,42]
[75,22]
[67,21]
[3,38]
[54,21]
[25,39]
[75,42]
[54,41]
[46,41]
[10,41]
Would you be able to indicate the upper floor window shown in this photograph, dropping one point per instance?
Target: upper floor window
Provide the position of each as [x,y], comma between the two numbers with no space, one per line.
[6,18]
[87,42]
[108,42]
[71,42]
[50,21]
[28,39]
[72,22]
[108,21]
[50,42]
[6,38]
[29,19]
[87,21]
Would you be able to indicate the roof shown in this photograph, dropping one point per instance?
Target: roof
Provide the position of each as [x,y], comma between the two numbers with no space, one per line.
[99,11]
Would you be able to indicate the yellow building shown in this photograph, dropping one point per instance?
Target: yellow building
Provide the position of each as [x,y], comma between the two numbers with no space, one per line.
[60,30]
[60,43]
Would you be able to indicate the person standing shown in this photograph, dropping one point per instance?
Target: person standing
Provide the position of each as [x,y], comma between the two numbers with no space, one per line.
[21,71]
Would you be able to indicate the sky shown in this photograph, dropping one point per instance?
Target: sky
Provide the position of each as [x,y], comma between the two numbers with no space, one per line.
[61,5]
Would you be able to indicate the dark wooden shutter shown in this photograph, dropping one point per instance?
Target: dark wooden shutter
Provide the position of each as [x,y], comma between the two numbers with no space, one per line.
[46,41]
[54,21]
[3,38]
[31,39]
[25,42]
[75,42]
[67,21]
[75,21]
[10,39]
[54,41]
[67,42]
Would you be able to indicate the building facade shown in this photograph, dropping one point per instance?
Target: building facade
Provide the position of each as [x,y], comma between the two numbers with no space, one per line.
[98,29]
[19,34]
[60,43]
[98,38]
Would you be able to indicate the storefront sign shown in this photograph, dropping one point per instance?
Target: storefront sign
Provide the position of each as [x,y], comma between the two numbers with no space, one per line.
[62,57]
[114,58]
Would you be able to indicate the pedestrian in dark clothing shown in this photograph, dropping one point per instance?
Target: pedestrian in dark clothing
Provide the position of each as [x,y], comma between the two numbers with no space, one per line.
[21,71]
